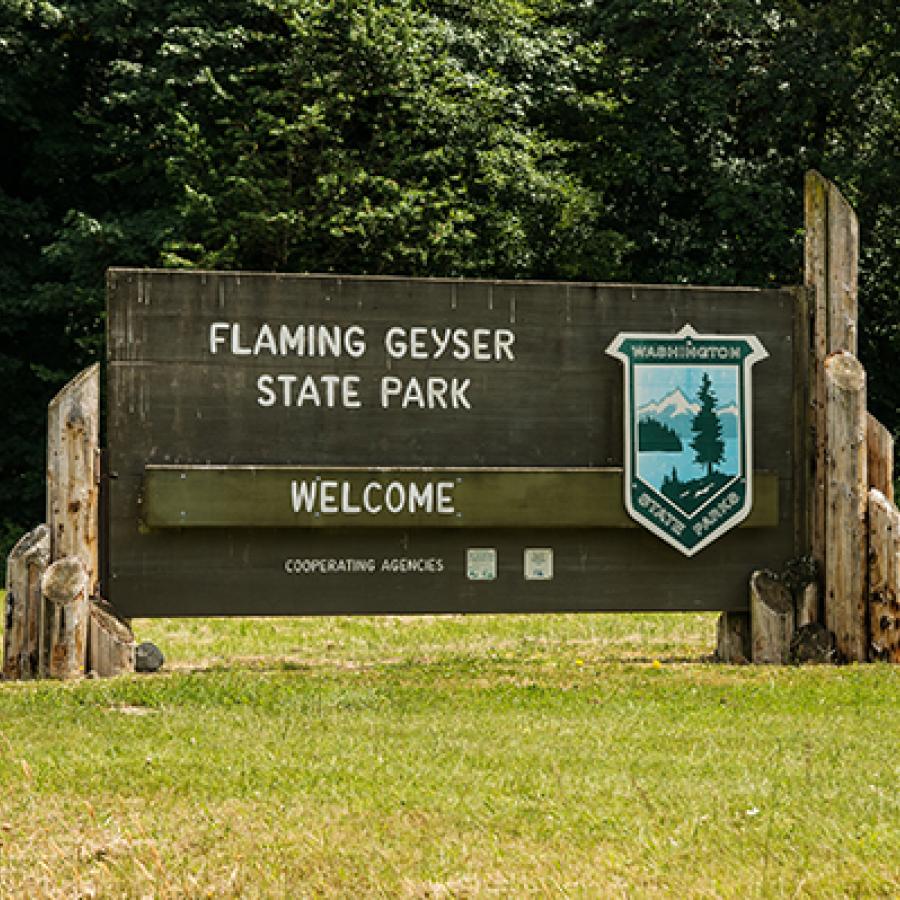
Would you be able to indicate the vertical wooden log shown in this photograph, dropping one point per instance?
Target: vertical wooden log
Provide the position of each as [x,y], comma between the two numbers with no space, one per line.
[843,270]
[65,586]
[73,420]
[816,277]
[111,644]
[73,426]
[831,268]
[771,619]
[884,578]
[846,566]
[24,569]
[733,638]
[880,453]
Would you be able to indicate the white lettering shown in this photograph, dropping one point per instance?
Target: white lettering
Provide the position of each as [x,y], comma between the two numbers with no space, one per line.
[266,395]
[303,494]
[370,507]
[328,497]
[215,339]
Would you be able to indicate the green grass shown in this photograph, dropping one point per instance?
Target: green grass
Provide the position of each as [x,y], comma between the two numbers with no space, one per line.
[583,756]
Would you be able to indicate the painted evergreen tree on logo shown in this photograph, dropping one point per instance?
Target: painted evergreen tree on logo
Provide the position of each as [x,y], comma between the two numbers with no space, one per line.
[707,427]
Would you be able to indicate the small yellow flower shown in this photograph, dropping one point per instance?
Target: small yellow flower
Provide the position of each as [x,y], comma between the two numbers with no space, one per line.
[579,662]
[657,664]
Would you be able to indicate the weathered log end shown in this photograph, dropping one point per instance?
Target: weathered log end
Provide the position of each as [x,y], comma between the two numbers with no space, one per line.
[771,618]
[65,589]
[111,649]
[23,620]
[733,638]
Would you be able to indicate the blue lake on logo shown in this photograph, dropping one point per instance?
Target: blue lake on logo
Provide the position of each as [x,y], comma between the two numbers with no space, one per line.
[653,467]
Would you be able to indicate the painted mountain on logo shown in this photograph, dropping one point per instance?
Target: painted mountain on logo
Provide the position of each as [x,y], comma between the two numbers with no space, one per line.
[676,412]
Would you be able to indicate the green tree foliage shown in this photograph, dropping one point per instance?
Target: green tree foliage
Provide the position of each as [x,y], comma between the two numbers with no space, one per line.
[654,436]
[708,446]
[646,140]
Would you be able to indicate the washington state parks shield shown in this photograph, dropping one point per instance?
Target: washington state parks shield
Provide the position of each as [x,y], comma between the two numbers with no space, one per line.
[688,432]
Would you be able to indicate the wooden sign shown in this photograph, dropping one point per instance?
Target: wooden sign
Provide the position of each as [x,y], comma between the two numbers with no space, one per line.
[285,444]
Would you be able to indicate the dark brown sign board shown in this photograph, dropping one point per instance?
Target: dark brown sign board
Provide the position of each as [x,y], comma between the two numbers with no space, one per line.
[316,444]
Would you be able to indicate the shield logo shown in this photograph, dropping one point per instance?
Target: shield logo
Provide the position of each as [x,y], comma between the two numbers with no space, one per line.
[688,432]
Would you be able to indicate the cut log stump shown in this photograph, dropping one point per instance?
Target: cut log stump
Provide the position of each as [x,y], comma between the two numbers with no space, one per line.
[733,638]
[111,648]
[771,618]
[65,590]
[24,604]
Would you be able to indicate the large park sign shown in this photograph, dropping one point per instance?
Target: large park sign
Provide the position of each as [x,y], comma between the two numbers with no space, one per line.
[320,444]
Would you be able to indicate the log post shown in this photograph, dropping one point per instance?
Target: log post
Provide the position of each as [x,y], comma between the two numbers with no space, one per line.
[73,420]
[65,587]
[884,578]
[733,637]
[880,458]
[846,600]
[24,605]
[831,268]
[73,423]
[771,618]
[111,644]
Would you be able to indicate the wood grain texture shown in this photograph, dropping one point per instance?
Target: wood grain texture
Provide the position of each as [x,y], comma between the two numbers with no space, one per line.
[771,619]
[73,427]
[884,578]
[733,640]
[25,567]
[880,457]
[816,277]
[65,586]
[557,405]
[111,644]
[847,490]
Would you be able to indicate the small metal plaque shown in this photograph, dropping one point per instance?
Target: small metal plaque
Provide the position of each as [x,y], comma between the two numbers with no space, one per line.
[481,563]
[538,563]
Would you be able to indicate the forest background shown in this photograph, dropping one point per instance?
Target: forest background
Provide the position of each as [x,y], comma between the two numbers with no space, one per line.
[631,140]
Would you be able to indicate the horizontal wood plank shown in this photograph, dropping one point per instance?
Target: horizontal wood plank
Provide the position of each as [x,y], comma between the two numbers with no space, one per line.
[313,497]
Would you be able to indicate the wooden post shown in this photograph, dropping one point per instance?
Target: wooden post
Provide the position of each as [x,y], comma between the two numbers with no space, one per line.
[65,587]
[831,267]
[771,618]
[847,484]
[73,425]
[884,578]
[880,453]
[111,644]
[21,637]
[733,637]
[73,421]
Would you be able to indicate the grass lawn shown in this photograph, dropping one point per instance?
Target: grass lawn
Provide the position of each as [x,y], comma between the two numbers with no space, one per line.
[577,756]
